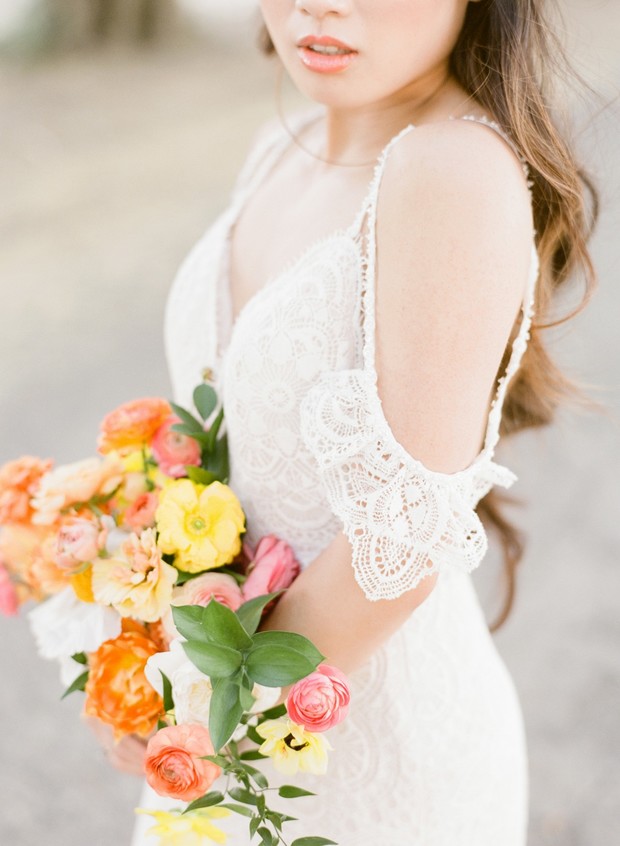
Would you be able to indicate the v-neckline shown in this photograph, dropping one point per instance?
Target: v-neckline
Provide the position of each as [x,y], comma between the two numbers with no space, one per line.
[223,286]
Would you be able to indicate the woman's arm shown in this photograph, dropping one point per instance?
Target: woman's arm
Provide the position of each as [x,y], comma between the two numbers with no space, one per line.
[454,230]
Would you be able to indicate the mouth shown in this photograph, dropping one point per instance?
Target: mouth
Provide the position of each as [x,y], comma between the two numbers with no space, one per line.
[324,54]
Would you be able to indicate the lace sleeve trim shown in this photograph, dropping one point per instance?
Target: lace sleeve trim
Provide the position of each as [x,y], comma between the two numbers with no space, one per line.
[403,520]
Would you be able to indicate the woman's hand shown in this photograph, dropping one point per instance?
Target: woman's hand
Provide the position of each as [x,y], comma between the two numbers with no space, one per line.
[127,755]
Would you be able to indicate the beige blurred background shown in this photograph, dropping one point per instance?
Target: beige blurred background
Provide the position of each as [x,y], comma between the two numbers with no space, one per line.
[122,127]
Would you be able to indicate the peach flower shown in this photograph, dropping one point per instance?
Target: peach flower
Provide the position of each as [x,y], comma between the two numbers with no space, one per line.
[117,691]
[79,540]
[21,548]
[319,701]
[18,483]
[141,513]
[132,425]
[174,766]
[9,602]
[44,573]
[173,450]
[274,567]
[137,582]
[72,484]
[199,591]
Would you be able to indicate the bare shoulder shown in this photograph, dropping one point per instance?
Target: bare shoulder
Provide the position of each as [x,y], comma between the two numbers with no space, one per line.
[454,238]
[468,173]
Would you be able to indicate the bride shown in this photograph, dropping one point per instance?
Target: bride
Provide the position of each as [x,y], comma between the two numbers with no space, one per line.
[365,307]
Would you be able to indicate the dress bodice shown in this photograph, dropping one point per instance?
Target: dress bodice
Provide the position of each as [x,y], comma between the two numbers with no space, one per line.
[311,450]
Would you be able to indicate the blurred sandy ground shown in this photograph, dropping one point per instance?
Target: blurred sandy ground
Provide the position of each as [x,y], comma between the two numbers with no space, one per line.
[112,163]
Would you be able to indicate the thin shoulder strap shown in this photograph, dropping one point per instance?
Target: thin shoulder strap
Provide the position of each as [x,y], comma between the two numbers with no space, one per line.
[369,208]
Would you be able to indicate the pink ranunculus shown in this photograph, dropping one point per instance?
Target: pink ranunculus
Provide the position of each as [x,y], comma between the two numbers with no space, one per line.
[79,540]
[321,700]
[9,601]
[274,567]
[199,591]
[173,762]
[174,450]
[141,513]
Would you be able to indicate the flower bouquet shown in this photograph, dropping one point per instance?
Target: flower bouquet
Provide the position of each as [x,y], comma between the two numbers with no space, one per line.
[152,602]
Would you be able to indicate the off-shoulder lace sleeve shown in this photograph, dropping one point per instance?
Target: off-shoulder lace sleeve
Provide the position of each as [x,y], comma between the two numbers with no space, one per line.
[403,520]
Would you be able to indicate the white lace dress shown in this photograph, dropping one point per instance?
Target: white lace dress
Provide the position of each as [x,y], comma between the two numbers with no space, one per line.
[433,752]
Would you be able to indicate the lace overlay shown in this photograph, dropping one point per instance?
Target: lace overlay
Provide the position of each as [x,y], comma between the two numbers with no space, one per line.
[433,750]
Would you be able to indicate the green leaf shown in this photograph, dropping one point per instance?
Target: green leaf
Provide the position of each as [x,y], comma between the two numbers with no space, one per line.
[289,791]
[277,666]
[218,460]
[224,711]
[252,755]
[205,400]
[78,684]
[80,657]
[267,838]
[188,419]
[256,775]
[251,611]
[213,660]
[313,841]
[246,698]
[274,713]
[254,824]
[201,476]
[188,620]
[223,626]
[212,798]
[275,819]
[189,431]
[238,809]
[242,795]
[213,430]
[292,640]
[168,700]
[261,805]
[161,724]
[254,735]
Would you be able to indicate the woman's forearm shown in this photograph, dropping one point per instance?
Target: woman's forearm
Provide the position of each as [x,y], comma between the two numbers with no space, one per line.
[326,604]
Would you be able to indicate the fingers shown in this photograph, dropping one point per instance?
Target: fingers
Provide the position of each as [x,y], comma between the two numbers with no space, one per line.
[127,755]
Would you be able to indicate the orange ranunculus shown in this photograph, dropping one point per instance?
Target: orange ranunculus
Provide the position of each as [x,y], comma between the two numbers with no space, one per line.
[132,425]
[117,691]
[175,765]
[18,482]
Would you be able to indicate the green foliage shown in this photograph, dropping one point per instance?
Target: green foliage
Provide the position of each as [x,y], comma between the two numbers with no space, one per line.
[168,701]
[212,798]
[277,666]
[188,420]
[78,684]
[80,657]
[205,400]
[250,612]
[225,711]
[289,791]
[223,626]
[313,841]
[201,476]
[188,620]
[213,660]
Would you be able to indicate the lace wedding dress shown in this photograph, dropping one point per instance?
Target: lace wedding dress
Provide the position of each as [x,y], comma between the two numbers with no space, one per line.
[433,751]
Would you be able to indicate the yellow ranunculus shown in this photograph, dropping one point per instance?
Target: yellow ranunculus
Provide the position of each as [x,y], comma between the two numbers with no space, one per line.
[292,748]
[176,829]
[200,524]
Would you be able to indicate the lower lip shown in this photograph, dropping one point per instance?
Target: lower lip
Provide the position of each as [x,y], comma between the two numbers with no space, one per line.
[322,63]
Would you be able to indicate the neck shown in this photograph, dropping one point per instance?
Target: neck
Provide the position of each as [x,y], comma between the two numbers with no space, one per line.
[357,134]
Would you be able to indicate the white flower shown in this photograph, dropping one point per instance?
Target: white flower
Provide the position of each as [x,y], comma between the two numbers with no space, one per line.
[192,690]
[64,625]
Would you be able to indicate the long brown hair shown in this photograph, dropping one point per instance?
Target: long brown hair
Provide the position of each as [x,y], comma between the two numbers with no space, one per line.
[508,58]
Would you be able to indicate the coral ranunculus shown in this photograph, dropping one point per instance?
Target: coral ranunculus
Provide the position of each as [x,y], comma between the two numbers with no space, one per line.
[200,524]
[174,765]
[174,450]
[132,425]
[18,483]
[117,691]
[320,700]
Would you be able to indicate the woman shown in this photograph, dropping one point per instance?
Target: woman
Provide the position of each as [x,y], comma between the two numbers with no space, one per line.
[364,306]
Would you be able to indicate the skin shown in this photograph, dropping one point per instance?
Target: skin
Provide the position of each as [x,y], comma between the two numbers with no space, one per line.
[453,237]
